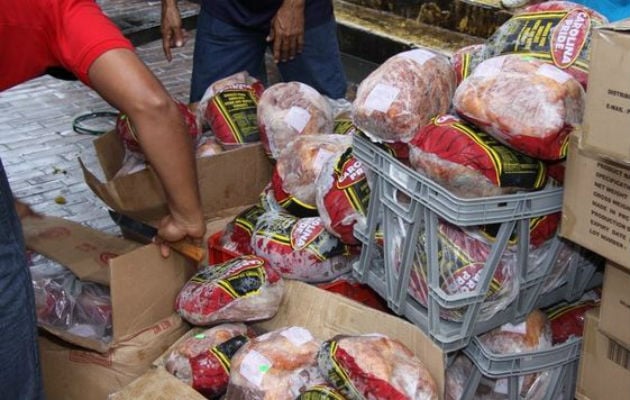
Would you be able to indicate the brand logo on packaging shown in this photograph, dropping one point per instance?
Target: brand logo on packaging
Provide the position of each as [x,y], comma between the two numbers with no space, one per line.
[305,231]
[569,37]
[351,173]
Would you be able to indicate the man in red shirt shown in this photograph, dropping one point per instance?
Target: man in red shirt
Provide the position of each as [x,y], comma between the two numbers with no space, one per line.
[75,35]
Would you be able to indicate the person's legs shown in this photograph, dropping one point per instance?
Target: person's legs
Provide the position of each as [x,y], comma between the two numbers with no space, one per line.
[20,376]
[222,50]
[319,65]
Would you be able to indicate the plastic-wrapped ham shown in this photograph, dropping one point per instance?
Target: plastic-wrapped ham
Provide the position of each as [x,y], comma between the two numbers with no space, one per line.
[229,106]
[287,110]
[237,235]
[469,162]
[462,260]
[243,289]
[203,360]
[127,133]
[297,168]
[466,59]
[301,248]
[278,365]
[374,366]
[526,104]
[556,32]
[342,197]
[403,94]
[567,320]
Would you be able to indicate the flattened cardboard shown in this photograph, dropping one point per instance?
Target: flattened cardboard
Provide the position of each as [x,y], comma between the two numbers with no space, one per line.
[72,373]
[325,315]
[596,205]
[599,377]
[157,384]
[143,285]
[615,308]
[607,114]
[229,179]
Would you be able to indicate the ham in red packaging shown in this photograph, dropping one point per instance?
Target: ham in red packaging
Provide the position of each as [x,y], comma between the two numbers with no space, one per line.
[230,105]
[526,104]
[466,59]
[301,248]
[462,259]
[374,366]
[567,320]
[127,133]
[556,32]
[541,229]
[297,168]
[469,162]
[287,110]
[342,197]
[237,235]
[403,94]
[203,360]
[243,289]
[278,365]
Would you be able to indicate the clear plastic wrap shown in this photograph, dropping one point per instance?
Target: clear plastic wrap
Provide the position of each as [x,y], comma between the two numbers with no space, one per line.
[466,59]
[301,248]
[342,197]
[374,366]
[278,365]
[469,162]
[320,392]
[556,32]
[63,302]
[287,110]
[526,104]
[461,259]
[403,94]
[243,289]
[570,257]
[297,169]
[208,146]
[229,106]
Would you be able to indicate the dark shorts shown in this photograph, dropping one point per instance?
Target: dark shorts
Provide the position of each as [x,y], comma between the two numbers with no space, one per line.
[222,50]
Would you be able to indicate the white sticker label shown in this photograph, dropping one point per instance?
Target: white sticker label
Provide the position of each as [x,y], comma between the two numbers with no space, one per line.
[418,55]
[489,67]
[381,97]
[521,328]
[297,336]
[297,118]
[254,367]
[554,73]
[322,157]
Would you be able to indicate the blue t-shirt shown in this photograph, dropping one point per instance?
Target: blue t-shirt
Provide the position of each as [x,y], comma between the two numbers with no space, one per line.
[258,13]
[614,10]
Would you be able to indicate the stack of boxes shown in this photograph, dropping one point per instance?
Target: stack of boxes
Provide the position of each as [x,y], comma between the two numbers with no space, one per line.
[596,211]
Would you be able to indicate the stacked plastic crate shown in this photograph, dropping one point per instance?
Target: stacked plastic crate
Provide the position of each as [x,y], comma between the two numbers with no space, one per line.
[406,238]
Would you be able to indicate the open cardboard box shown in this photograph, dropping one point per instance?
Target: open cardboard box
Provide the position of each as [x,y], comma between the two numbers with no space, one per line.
[143,285]
[325,314]
[229,179]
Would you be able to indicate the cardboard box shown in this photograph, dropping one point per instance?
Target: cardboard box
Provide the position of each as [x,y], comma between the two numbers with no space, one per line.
[323,313]
[604,372]
[73,373]
[607,114]
[596,205]
[229,179]
[143,285]
[615,308]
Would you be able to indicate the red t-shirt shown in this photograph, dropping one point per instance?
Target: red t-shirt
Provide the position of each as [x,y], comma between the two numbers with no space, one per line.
[38,34]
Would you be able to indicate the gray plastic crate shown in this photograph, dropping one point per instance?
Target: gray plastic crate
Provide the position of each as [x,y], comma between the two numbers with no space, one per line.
[401,215]
[560,362]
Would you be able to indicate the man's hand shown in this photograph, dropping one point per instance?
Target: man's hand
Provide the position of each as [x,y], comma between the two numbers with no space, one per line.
[173,35]
[287,31]
[24,210]
[173,229]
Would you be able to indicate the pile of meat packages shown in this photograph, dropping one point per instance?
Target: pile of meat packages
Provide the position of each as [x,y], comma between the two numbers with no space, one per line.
[232,359]
[490,120]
